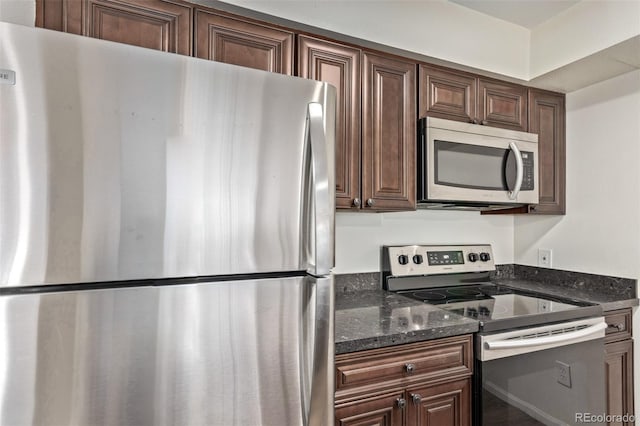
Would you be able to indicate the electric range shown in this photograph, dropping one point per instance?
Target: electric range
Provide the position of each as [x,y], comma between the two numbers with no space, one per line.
[457,279]
[539,360]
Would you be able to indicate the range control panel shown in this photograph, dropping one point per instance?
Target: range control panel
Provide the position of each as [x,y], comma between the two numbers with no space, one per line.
[412,260]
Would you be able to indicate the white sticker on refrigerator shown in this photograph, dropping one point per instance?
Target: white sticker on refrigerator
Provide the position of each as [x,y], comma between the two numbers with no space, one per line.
[7,76]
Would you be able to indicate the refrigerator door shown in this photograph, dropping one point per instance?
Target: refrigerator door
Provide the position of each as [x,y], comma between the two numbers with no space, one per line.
[123,163]
[221,353]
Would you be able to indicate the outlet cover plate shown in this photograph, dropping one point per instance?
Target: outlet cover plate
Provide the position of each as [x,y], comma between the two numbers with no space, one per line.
[544,257]
[563,373]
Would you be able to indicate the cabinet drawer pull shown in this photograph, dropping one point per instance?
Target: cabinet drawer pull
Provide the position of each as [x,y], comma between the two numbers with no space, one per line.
[615,327]
[416,398]
[409,368]
[401,403]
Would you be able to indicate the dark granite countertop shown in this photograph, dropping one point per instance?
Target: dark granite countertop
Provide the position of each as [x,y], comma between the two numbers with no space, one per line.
[375,318]
[368,317]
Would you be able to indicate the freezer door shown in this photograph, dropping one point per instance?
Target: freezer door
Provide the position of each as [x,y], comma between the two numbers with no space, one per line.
[123,163]
[225,353]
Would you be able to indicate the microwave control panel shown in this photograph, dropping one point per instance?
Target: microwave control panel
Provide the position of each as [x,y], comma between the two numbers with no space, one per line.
[528,168]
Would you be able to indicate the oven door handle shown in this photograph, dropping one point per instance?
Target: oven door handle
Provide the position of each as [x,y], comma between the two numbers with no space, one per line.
[545,340]
[519,171]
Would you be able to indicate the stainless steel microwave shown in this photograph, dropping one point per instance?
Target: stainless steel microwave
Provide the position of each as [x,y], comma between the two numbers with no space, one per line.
[470,166]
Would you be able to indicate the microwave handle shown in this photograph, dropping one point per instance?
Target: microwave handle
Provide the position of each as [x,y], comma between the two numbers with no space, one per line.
[519,171]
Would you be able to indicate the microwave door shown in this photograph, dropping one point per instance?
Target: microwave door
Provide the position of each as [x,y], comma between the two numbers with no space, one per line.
[472,173]
[467,163]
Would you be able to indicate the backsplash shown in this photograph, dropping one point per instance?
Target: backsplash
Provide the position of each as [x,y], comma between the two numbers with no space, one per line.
[623,287]
[348,283]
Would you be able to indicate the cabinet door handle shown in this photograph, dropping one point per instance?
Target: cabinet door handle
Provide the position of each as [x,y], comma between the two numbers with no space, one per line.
[370,202]
[484,122]
[473,120]
[356,202]
[401,403]
[409,368]
[416,398]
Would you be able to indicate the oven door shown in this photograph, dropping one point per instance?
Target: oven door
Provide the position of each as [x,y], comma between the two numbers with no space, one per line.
[477,164]
[551,375]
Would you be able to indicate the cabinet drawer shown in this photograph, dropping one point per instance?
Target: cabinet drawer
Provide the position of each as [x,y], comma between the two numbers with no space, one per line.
[397,365]
[618,325]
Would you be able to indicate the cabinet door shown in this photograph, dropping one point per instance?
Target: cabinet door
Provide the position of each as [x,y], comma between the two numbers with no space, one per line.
[380,410]
[447,404]
[619,376]
[447,94]
[338,65]
[547,118]
[155,24]
[502,104]
[388,133]
[237,41]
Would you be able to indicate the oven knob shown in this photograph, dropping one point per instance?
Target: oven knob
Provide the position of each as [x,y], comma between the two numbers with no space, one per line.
[473,257]
[403,259]
[417,259]
[485,257]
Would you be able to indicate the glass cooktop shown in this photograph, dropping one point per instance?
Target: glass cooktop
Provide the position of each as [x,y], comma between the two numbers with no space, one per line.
[498,307]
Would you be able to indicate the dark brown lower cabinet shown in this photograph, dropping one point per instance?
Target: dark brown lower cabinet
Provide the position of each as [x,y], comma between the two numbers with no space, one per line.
[417,384]
[383,410]
[619,366]
[448,404]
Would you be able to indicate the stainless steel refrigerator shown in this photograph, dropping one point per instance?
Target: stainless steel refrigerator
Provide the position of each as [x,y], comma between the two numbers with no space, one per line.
[166,238]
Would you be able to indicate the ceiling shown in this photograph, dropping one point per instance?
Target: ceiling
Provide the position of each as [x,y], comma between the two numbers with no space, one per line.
[526,13]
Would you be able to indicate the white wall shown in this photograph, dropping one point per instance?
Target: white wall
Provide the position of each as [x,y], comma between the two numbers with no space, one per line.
[435,28]
[582,30]
[601,232]
[22,12]
[360,235]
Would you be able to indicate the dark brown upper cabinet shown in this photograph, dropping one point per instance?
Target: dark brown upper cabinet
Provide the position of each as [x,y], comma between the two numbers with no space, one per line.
[447,94]
[388,133]
[547,119]
[155,24]
[502,104]
[252,44]
[338,65]
[460,96]
[375,123]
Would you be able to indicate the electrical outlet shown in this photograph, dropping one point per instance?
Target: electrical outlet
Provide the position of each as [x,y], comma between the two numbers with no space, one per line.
[563,373]
[544,257]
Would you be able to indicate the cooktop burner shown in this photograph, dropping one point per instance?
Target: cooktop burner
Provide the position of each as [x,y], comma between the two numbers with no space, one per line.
[457,294]
[457,279]
[496,306]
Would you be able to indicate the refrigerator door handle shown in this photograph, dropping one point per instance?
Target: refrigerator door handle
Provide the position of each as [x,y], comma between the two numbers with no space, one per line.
[320,381]
[323,212]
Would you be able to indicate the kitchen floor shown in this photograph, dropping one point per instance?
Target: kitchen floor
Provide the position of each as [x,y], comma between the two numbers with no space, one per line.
[503,414]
